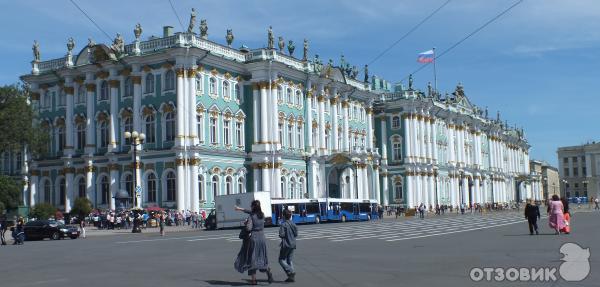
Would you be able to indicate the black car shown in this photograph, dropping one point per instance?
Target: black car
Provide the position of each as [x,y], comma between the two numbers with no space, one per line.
[40,229]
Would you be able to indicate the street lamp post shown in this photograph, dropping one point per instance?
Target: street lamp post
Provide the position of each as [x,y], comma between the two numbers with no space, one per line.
[136,140]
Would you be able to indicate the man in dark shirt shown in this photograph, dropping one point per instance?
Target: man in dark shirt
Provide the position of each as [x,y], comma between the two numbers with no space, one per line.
[288,233]
[532,213]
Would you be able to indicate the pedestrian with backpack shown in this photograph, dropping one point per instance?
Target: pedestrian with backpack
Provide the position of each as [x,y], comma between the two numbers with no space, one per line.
[288,233]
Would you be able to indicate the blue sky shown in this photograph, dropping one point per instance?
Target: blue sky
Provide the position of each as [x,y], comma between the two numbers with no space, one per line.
[538,64]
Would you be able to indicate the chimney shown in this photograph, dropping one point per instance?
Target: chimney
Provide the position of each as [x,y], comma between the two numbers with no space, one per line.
[167,31]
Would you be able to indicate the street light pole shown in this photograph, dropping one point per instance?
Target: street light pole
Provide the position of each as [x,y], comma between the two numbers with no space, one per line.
[136,140]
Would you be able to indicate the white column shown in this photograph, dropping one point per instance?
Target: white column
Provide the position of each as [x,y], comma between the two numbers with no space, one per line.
[476,191]
[431,191]
[179,141]
[69,91]
[415,138]
[451,144]
[256,180]
[89,183]
[195,196]
[69,189]
[308,131]
[256,124]
[346,127]
[181,184]
[384,139]
[369,144]
[277,180]
[375,183]
[366,193]
[385,188]
[274,111]
[334,125]
[191,109]
[409,190]
[114,184]
[90,127]
[266,180]
[114,105]
[434,141]
[321,114]
[264,119]
[137,102]
[33,183]
[407,136]
[428,139]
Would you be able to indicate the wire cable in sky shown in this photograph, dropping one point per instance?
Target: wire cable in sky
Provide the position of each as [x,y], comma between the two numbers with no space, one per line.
[91,20]
[409,32]
[466,37]
[176,15]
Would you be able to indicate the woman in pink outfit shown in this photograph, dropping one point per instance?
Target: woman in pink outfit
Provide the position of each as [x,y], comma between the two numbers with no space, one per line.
[556,218]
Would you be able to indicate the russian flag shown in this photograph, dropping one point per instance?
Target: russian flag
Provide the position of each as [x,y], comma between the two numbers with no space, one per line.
[426,57]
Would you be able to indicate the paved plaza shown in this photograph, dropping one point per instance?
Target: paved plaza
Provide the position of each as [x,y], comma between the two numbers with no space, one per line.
[432,251]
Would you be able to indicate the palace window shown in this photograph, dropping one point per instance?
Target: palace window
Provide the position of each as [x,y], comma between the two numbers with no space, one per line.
[128,88]
[80,136]
[226,94]
[283,190]
[151,187]
[241,188]
[213,130]
[327,132]
[127,184]
[300,187]
[81,188]
[398,190]
[215,186]
[149,84]
[293,188]
[47,102]
[104,91]
[396,151]
[62,192]
[200,127]
[315,135]
[104,190]
[236,92]
[60,133]
[300,143]
[201,187]
[127,127]
[395,122]
[62,98]
[169,80]
[290,96]
[314,103]
[150,129]
[170,126]
[48,192]
[290,136]
[171,186]
[238,134]
[199,83]
[212,88]
[18,161]
[279,94]
[226,132]
[299,98]
[280,129]
[228,185]
[81,92]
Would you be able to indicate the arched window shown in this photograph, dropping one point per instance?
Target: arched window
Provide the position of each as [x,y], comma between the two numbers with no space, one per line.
[151,187]
[395,122]
[48,192]
[149,84]
[279,94]
[201,187]
[200,126]
[215,186]
[81,188]
[62,138]
[213,130]
[127,127]
[298,98]
[226,94]
[301,187]
[81,94]
[103,134]
[239,134]
[228,185]
[104,190]
[80,136]
[104,91]
[227,132]
[280,130]
[398,190]
[396,149]
[47,99]
[128,88]
[299,142]
[293,188]
[236,92]
[171,187]
[290,96]
[199,83]
[212,88]
[290,132]
[283,189]
[150,129]
[62,98]
[169,80]
[327,136]
[127,185]
[241,188]
[62,192]
[170,126]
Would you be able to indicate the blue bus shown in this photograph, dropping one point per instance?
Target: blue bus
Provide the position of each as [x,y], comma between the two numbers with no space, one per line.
[303,210]
[342,210]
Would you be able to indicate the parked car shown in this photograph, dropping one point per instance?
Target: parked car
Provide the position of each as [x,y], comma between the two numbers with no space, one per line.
[40,229]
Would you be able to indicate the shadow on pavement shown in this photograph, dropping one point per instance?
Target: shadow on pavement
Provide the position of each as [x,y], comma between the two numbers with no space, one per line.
[225,283]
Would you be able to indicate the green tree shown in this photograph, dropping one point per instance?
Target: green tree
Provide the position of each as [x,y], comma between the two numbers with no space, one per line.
[43,210]
[10,193]
[18,123]
[81,207]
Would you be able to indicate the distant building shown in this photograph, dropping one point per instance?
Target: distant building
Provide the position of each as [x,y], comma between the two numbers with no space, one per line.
[547,176]
[579,168]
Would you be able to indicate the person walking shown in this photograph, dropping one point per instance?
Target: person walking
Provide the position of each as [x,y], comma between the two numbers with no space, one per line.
[288,233]
[596,203]
[253,253]
[161,223]
[556,219]
[532,214]
[3,229]
[82,227]
[567,215]
[422,211]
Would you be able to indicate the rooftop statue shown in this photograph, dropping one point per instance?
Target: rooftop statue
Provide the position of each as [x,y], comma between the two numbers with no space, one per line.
[459,90]
[410,82]
[366,73]
[486,112]
[229,37]
[118,44]
[91,43]
[354,72]
[305,52]
[329,70]
[192,21]
[318,65]
[291,47]
[203,29]
[36,51]
[70,45]
[271,39]
[137,31]
[281,44]
[429,89]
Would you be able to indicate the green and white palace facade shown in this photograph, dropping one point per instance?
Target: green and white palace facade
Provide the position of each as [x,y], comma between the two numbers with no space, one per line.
[219,120]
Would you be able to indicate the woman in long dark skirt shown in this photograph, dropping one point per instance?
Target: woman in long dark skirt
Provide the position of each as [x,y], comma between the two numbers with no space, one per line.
[253,254]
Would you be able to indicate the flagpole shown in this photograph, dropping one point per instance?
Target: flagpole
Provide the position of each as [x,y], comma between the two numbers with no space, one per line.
[434,72]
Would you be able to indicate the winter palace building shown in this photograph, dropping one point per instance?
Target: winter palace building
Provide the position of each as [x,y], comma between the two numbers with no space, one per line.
[219,120]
